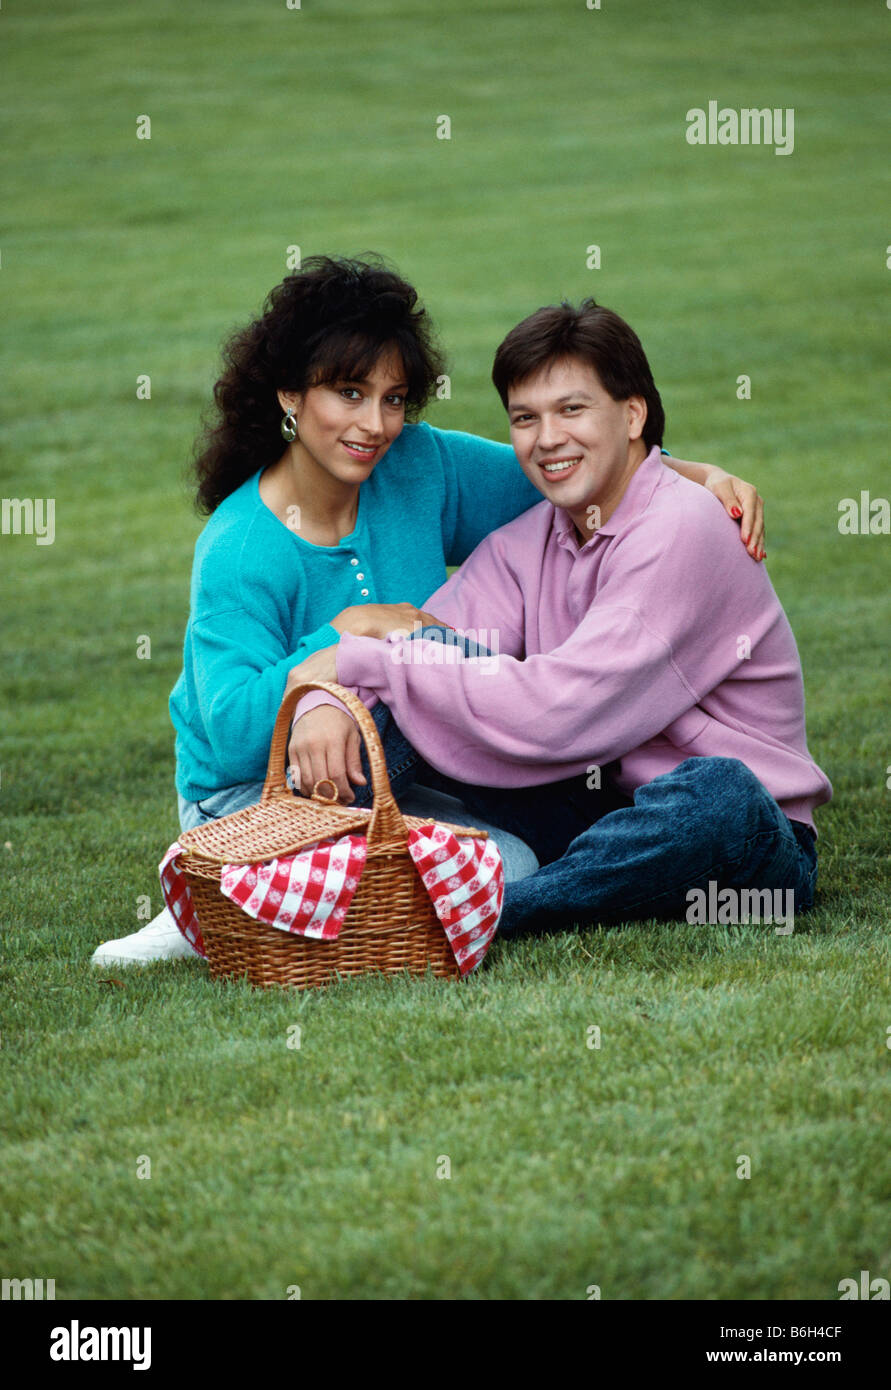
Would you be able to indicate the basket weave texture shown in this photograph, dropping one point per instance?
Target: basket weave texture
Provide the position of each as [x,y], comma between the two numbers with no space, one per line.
[391,924]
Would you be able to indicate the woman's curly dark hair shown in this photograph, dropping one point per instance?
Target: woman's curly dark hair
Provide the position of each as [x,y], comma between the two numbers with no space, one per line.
[331,321]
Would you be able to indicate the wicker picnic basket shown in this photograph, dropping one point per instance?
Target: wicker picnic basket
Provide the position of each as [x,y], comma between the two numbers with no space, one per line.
[391,924]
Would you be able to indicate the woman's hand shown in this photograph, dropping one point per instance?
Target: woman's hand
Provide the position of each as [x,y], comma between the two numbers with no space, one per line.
[321,666]
[377,619]
[739,499]
[324,746]
[744,504]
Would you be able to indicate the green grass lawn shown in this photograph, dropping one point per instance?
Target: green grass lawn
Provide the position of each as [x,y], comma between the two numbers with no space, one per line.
[570,1166]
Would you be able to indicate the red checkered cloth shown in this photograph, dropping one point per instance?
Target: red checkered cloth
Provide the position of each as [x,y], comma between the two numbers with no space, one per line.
[175,887]
[465,879]
[307,893]
[310,893]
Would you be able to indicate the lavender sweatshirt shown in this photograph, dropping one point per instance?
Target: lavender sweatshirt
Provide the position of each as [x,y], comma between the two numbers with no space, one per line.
[657,640]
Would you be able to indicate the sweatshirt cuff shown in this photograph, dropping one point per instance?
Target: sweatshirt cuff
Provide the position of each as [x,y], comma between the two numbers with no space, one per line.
[359,659]
[313,700]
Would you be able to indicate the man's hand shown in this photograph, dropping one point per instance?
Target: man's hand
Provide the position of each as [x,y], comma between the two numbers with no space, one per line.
[325,745]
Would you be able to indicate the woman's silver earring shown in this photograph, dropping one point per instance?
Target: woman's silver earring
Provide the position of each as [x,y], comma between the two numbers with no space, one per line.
[289,426]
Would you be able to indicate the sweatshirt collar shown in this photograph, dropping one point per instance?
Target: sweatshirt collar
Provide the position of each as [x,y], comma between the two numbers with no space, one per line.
[635,500]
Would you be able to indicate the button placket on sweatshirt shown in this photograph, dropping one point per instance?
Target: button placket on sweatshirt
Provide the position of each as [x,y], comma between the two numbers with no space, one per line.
[360,577]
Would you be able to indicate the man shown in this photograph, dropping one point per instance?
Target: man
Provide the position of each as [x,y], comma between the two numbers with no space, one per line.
[643,728]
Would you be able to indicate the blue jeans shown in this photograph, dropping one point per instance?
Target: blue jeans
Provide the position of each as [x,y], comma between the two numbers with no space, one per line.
[707,833]
[218,804]
[675,847]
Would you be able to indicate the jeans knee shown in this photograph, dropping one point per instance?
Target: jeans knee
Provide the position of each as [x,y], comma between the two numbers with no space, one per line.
[717,803]
[518,858]
[724,785]
[725,775]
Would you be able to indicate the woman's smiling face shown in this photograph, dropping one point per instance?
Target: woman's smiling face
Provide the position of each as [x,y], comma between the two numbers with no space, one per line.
[345,428]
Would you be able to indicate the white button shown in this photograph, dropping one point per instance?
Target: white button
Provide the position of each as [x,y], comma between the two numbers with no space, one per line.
[360,575]
[364,593]
[354,561]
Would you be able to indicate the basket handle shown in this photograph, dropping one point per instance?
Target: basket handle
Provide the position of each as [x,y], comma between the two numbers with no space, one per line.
[386,822]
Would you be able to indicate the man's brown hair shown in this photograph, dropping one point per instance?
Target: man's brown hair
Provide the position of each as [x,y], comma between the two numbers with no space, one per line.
[593,335]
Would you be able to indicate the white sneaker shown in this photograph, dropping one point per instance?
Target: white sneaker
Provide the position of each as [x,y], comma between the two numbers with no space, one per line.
[161,939]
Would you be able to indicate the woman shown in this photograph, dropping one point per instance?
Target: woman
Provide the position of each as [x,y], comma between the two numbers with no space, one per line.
[343,528]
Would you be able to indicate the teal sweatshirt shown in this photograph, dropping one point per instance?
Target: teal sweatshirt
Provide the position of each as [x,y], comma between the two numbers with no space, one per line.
[262,597]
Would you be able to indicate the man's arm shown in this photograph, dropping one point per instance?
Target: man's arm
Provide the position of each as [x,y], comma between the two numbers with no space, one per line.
[606,690]
[658,636]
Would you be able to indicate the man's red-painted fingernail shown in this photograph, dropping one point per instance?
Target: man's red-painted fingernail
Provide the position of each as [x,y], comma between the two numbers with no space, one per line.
[736,511]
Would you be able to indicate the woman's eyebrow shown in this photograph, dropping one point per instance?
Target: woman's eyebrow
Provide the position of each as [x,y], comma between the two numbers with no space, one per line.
[363,381]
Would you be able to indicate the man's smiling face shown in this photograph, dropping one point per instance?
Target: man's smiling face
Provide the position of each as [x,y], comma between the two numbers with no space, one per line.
[576,444]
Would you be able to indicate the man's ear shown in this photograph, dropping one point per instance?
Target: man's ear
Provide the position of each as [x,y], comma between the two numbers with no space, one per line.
[637,416]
